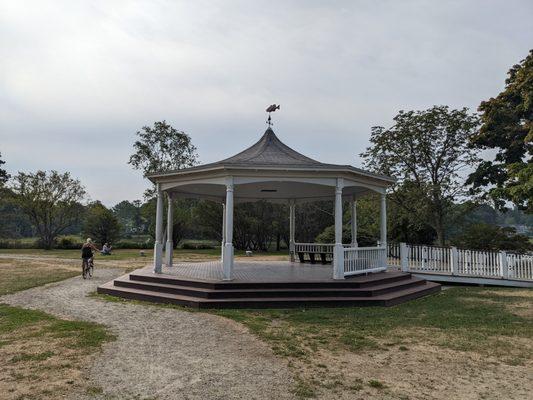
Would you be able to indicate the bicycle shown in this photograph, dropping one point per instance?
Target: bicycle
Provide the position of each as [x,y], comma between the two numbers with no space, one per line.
[87,268]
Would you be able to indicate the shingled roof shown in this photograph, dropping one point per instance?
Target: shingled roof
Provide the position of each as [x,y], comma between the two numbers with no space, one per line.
[270,152]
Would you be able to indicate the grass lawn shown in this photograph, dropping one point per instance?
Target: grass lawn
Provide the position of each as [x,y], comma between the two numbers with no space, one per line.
[18,275]
[495,325]
[41,356]
[455,338]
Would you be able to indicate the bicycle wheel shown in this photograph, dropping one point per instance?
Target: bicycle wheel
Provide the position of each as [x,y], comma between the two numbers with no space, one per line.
[84,269]
[90,269]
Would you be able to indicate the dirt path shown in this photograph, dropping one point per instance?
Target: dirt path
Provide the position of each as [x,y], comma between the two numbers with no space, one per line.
[163,353]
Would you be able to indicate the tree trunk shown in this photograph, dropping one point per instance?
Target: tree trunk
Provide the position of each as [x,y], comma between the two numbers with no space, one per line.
[439,228]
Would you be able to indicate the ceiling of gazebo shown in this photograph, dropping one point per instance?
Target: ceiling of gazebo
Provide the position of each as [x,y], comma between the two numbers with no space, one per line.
[269,170]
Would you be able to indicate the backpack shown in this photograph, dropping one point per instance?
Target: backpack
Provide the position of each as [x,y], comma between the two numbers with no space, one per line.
[86,252]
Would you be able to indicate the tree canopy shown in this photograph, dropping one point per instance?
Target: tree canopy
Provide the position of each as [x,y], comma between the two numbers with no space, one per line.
[162,148]
[507,127]
[101,224]
[4,176]
[483,236]
[50,200]
[426,151]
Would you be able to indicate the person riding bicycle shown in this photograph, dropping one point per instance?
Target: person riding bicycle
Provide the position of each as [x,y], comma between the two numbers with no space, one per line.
[87,252]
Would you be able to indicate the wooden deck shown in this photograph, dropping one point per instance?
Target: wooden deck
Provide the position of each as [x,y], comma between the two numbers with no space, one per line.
[253,271]
[266,285]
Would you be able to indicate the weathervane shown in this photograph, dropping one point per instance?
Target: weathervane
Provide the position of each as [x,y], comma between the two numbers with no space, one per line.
[269,110]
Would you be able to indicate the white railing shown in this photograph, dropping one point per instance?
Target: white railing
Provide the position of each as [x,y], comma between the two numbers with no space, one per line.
[316,248]
[520,266]
[429,258]
[361,260]
[460,262]
[356,260]
[479,263]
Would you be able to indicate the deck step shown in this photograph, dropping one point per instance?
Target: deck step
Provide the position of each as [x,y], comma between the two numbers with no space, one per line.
[387,299]
[263,292]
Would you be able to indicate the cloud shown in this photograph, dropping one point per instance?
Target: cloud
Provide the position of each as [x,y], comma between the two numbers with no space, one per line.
[78,79]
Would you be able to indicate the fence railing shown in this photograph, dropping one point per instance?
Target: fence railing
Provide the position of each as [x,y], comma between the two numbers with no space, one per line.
[361,260]
[313,248]
[460,262]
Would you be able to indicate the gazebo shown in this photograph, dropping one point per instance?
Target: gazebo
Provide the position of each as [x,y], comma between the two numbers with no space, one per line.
[270,170]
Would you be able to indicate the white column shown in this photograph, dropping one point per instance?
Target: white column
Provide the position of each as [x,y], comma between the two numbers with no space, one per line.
[383,228]
[404,257]
[353,208]
[338,249]
[170,225]
[158,246]
[227,262]
[383,222]
[292,225]
[223,241]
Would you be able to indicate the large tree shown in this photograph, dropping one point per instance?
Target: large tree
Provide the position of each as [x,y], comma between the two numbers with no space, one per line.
[101,224]
[162,148]
[426,151]
[50,200]
[507,128]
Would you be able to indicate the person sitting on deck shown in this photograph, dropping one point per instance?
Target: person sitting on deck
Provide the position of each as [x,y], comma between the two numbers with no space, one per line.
[106,249]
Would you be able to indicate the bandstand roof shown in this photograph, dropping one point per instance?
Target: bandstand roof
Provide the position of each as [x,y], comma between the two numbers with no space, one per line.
[271,170]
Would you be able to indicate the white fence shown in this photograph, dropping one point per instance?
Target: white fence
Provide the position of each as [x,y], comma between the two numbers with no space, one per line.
[353,260]
[361,260]
[459,262]
[316,248]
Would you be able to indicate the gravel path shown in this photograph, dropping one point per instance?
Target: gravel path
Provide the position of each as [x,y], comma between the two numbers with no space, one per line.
[164,353]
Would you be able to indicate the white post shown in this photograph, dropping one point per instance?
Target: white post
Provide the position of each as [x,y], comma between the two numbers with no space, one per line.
[383,228]
[292,223]
[338,249]
[170,225]
[504,267]
[454,260]
[223,241]
[404,257]
[158,246]
[227,262]
[353,208]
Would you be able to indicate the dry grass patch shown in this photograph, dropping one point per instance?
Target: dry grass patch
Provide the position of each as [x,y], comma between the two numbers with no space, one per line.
[18,274]
[41,357]
[467,343]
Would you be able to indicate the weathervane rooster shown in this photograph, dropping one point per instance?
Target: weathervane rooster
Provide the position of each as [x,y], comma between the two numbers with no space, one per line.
[269,110]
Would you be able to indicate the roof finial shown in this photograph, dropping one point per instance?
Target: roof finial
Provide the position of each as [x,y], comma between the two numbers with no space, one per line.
[269,110]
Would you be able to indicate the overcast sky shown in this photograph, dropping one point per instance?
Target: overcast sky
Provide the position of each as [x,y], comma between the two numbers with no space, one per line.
[79,78]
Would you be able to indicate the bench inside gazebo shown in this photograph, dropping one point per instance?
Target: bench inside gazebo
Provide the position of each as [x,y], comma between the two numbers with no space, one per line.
[270,170]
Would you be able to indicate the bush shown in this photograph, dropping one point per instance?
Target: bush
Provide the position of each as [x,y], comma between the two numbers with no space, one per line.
[328,236]
[67,243]
[492,237]
[196,246]
[129,244]
[18,244]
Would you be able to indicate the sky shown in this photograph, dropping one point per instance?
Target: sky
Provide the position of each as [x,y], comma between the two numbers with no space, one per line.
[78,79]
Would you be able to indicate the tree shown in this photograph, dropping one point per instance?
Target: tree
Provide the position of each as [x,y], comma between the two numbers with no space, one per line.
[507,127]
[492,237]
[426,151]
[4,176]
[50,200]
[129,216]
[101,224]
[162,148]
